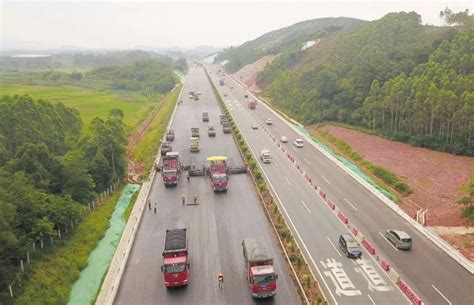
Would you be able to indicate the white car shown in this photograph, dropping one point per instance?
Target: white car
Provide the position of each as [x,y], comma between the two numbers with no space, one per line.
[269,122]
[191,96]
[265,156]
[298,143]
[254,126]
[283,139]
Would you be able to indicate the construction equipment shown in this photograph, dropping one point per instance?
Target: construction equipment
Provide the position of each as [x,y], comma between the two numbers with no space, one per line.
[165,148]
[175,266]
[170,135]
[194,146]
[170,168]
[218,173]
[205,116]
[211,131]
[259,264]
[195,132]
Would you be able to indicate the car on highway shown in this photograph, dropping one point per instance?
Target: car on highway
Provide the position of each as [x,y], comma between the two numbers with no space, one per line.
[254,126]
[269,121]
[225,94]
[298,143]
[283,139]
[246,96]
[400,239]
[231,87]
[191,96]
[349,246]
[265,156]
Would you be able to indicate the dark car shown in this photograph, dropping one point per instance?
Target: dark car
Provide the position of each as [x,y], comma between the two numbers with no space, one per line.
[246,96]
[349,246]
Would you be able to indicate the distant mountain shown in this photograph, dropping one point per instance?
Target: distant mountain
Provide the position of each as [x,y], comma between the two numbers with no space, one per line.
[284,40]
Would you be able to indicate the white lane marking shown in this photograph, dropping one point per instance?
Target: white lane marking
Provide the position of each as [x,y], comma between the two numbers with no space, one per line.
[347,200]
[326,180]
[307,209]
[333,246]
[371,299]
[293,148]
[309,163]
[444,297]
[288,181]
[297,233]
[385,238]
[276,164]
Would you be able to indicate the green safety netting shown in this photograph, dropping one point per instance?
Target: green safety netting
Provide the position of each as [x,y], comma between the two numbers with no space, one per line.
[86,287]
[348,164]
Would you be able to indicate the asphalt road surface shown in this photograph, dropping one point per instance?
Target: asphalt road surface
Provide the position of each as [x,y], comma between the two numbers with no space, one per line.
[216,227]
[433,275]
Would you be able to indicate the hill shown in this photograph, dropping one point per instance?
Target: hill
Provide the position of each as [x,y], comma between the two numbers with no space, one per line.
[284,40]
[404,80]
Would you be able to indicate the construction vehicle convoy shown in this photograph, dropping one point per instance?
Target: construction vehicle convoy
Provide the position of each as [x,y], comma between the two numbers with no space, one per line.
[176,265]
[261,275]
[218,173]
[194,145]
[170,168]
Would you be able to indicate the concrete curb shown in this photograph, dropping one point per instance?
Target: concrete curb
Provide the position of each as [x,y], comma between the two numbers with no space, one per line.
[114,274]
[443,245]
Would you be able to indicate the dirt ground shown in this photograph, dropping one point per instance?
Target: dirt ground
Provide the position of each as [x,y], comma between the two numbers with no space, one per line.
[435,177]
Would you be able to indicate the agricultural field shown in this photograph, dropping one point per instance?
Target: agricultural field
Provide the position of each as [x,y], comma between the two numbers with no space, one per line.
[88,102]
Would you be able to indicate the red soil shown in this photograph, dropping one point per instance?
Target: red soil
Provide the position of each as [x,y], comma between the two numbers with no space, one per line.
[435,177]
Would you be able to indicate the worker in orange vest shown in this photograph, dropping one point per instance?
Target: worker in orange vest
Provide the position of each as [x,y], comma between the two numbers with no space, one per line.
[220,278]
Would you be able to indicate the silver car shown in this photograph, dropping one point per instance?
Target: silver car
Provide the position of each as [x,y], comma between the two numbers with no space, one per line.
[400,239]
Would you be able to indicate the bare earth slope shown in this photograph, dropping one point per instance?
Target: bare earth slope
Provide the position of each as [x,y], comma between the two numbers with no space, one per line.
[435,177]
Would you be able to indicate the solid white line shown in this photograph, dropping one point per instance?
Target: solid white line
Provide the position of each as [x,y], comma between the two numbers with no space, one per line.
[309,163]
[326,180]
[288,181]
[347,200]
[385,238]
[333,246]
[309,211]
[371,299]
[444,297]
[293,148]
[297,233]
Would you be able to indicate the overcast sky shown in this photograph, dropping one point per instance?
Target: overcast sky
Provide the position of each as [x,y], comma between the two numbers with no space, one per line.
[126,24]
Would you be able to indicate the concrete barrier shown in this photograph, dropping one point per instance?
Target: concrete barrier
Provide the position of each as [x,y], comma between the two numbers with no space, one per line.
[359,237]
[368,246]
[342,217]
[331,204]
[355,231]
[385,266]
[409,293]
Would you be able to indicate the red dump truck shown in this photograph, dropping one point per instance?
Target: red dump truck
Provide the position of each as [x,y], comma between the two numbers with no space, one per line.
[165,148]
[259,264]
[175,266]
[218,173]
[252,104]
[171,168]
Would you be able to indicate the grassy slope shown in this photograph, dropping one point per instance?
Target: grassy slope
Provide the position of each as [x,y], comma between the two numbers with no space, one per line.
[88,102]
[145,150]
[52,277]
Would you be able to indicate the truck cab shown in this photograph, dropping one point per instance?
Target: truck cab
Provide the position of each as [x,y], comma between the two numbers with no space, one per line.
[175,266]
[261,274]
[218,173]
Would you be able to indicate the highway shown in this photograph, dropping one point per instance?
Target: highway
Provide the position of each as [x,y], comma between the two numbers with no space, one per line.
[432,274]
[216,226]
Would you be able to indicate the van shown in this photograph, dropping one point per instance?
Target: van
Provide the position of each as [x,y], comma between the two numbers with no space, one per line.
[265,156]
[400,239]
[349,246]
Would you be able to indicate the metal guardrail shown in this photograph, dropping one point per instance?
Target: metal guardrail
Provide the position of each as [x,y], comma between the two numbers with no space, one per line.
[114,274]
[438,241]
